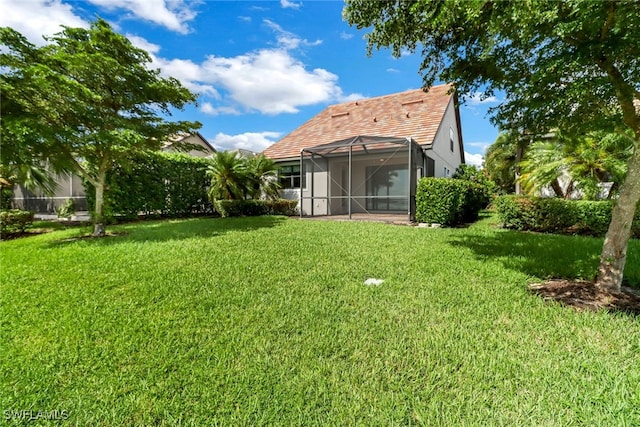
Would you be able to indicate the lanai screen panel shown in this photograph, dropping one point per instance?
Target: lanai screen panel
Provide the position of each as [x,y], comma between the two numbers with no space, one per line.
[365,174]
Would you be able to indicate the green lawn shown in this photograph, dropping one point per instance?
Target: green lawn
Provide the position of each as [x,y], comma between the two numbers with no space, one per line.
[266,321]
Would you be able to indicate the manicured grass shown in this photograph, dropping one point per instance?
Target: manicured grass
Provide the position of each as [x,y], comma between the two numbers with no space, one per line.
[266,321]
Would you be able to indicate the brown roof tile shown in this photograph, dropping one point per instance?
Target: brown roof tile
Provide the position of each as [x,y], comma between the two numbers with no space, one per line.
[407,114]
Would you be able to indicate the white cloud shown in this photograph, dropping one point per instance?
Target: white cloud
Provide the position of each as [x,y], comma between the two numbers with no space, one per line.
[142,43]
[36,18]
[482,146]
[290,4]
[244,18]
[209,109]
[481,98]
[392,70]
[271,81]
[473,159]
[188,73]
[350,97]
[288,40]
[346,36]
[254,141]
[172,14]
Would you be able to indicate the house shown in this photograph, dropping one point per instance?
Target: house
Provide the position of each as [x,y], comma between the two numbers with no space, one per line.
[70,186]
[366,156]
[200,146]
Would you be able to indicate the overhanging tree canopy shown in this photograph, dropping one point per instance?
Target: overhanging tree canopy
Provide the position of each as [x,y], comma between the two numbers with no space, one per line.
[571,65]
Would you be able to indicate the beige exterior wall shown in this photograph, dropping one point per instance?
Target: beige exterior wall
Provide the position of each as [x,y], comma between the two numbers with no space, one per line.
[69,187]
[441,151]
[316,178]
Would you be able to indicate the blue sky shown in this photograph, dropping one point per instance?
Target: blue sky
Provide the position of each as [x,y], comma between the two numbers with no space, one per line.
[262,68]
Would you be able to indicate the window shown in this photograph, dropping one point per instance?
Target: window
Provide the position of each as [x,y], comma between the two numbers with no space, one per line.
[289,176]
[451,139]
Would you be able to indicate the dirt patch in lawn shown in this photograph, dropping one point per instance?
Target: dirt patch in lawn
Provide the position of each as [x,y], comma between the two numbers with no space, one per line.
[583,295]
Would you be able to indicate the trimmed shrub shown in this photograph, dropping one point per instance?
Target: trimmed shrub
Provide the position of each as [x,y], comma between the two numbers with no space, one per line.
[476,198]
[156,183]
[14,221]
[448,201]
[550,215]
[282,207]
[515,212]
[593,218]
[228,208]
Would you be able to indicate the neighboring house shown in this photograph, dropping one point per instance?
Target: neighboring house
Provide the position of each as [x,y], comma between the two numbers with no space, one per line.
[366,156]
[201,147]
[241,152]
[70,186]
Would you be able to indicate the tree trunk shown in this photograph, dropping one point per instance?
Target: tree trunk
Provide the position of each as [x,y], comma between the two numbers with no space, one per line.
[557,188]
[98,218]
[569,191]
[614,250]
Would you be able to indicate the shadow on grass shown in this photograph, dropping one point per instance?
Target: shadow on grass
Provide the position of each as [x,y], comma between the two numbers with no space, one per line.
[178,229]
[547,255]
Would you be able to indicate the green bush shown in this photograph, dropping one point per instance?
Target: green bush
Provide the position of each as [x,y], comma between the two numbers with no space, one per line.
[550,215]
[67,209]
[476,198]
[593,218]
[448,201]
[156,183]
[14,221]
[282,207]
[515,212]
[478,176]
[6,197]
[228,208]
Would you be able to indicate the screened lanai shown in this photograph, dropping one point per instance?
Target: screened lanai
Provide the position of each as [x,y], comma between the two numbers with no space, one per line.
[360,175]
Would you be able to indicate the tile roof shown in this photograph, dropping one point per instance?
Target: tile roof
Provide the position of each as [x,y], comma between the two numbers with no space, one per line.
[407,114]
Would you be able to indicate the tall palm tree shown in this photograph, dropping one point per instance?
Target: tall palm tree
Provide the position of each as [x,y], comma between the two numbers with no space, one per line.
[228,175]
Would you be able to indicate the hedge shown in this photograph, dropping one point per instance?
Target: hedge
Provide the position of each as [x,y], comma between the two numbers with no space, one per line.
[228,208]
[449,201]
[550,215]
[156,183]
[14,221]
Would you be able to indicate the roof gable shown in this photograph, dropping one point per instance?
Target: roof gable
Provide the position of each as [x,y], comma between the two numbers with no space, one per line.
[414,113]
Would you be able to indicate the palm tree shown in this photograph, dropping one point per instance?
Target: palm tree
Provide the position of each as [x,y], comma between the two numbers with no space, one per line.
[585,162]
[262,177]
[502,158]
[228,175]
[33,176]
